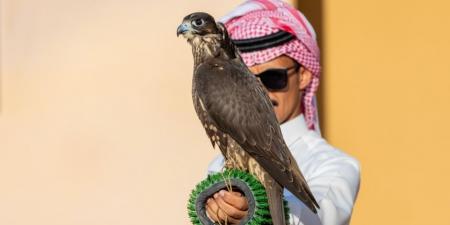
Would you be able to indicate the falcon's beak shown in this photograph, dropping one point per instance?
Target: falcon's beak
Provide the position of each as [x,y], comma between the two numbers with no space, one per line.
[183,28]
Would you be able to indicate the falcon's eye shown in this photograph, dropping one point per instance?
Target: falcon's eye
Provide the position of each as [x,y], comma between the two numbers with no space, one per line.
[198,22]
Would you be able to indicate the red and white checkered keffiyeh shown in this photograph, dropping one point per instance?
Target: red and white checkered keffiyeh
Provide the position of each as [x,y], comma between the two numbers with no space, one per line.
[256,18]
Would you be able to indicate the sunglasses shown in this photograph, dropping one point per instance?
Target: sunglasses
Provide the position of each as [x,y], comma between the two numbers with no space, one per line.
[276,79]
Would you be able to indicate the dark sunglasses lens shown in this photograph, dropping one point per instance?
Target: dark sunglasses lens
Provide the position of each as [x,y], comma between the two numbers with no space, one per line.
[274,79]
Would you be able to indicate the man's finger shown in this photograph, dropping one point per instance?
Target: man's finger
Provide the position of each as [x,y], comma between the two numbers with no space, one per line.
[238,194]
[224,217]
[230,210]
[239,202]
[211,210]
[217,214]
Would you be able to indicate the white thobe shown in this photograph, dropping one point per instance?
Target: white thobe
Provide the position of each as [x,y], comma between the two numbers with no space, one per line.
[332,176]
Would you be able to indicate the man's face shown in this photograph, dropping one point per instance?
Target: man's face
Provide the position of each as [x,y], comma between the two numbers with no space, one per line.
[286,101]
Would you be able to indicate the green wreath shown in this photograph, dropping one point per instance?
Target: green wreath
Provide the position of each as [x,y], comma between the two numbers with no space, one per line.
[253,190]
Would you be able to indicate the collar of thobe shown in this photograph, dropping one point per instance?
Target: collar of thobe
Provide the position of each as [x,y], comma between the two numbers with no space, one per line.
[294,129]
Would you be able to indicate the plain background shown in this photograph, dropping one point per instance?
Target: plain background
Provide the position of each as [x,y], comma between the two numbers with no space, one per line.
[97,125]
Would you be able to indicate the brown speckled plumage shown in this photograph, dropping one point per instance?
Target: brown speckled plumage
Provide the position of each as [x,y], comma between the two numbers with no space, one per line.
[238,116]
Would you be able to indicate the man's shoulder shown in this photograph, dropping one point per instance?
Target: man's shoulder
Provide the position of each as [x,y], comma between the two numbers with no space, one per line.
[318,153]
[311,152]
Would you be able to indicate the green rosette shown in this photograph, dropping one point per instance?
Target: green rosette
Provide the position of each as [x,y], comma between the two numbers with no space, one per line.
[253,190]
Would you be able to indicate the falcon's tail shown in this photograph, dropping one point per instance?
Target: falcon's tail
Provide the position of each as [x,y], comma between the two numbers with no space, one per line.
[276,206]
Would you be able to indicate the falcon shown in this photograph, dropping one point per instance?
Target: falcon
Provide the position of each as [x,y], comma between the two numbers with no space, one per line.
[237,114]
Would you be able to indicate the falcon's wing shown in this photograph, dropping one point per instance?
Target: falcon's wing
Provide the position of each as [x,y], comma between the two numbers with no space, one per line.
[216,136]
[236,101]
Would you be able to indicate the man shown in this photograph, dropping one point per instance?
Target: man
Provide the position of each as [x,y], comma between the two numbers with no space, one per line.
[278,44]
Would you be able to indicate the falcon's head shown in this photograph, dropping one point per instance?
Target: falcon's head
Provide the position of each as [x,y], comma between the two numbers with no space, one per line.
[198,24]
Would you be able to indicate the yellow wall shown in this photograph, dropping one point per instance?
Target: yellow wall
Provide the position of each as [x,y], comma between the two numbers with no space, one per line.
[387,101]
[97,124]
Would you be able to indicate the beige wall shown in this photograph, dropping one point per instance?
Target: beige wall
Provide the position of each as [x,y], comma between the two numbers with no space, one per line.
[97,124]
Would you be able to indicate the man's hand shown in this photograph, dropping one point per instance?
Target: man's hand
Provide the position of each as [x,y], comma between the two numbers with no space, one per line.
[227,206]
